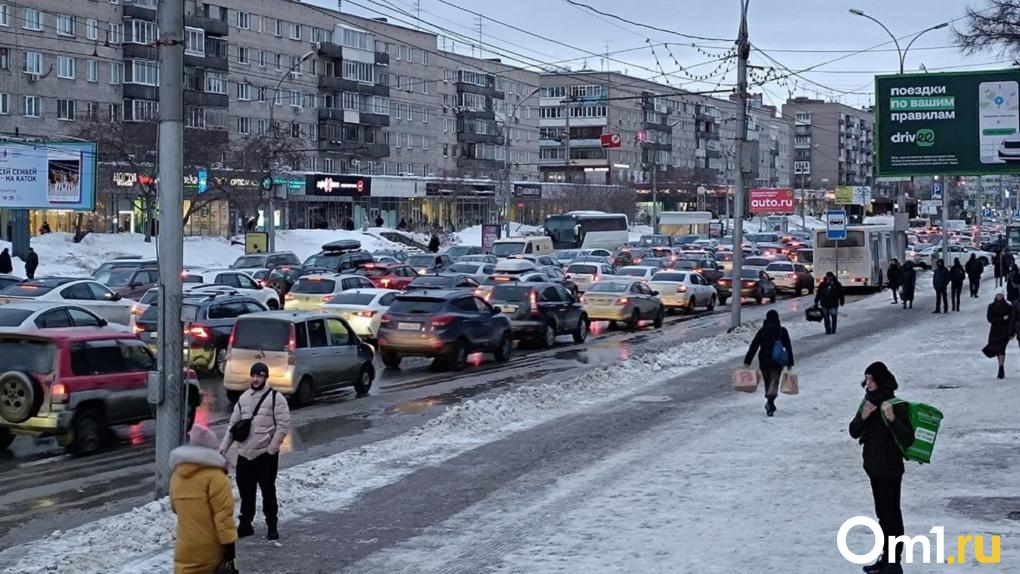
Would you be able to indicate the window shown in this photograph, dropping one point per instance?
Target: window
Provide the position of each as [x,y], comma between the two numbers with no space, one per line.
[215,83]
[141,32]
[115,33]
[33,19]
[4,15]
[139,110]
[243,20]
[144,72]
[296,98]
[424,115]
[194,41]
[243,125]
[278,27]
[33,63]
[242,55]
[357,39]
[295,31]
[65,25]
[472,101]
[359,71]
[97,357]
[295,130]
[262,58]
[554,92]
[279,61]
[91,28]
[5,58]
[116,73]
[82,318]
[5,103]
[244,92]
[317,334]
[135,354]
[65,109]
[65,67]
[194,117]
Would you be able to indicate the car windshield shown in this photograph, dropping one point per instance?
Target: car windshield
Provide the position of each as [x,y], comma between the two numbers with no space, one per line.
[415,306]
[749,274]
[514,293]
[27,355]
[314,286]
[757,262]
[30,289]
[119,277]
[261,334]
[567,255]
[13,317]
[433,281]
[372,272]
[249,261]
[631,272]
[421,260]
[507,249]
[189,313]
[464,268]
[609,287]
[583,269]
[458,250]
[328,260]
[677,277]
[352,298]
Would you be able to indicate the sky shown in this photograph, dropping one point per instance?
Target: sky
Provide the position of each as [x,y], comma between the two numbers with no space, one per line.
[798,34]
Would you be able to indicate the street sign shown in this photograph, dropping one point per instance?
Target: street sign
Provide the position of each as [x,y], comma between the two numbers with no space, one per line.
[835,224]
[610,140]
[256,242]
[203,181]
[936,190]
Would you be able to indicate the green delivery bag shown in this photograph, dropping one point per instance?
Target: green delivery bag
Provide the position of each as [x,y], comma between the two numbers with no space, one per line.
[926,420]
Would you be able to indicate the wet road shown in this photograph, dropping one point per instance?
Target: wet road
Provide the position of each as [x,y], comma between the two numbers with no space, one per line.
[43,489]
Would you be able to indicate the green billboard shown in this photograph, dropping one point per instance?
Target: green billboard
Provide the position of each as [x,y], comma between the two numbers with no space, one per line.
[965,123]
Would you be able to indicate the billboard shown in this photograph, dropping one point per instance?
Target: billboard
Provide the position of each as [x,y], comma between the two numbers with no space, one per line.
[48,175]
[772,200]
[338,185]
[961,123]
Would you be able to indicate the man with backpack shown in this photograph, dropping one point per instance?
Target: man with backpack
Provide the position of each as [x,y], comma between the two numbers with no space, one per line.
[830,297]
[259,430]
[772,345]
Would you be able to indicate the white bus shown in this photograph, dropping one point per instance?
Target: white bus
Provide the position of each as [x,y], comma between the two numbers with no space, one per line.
[860,260]
[587,230]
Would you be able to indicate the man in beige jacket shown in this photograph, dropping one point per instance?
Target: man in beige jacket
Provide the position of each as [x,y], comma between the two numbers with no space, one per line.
[258,456]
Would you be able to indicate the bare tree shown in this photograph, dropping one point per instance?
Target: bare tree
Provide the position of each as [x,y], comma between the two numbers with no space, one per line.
[996,27]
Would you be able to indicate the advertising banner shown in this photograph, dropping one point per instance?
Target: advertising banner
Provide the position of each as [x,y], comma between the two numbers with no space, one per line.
[50,175]
[772,200]
[961,123]
[490,233]
[853,195]
[338,185]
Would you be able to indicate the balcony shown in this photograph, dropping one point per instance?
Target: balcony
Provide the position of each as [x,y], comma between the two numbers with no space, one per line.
[357,149]
[140,52]
[206,100]
[330,50]
[464,87]
[353,117]
[207,61]
[140,92]
[657,146]
[212,26]
[374,119]
[340,84]
[481,138]
[475,163]
[135,12]
[476,114]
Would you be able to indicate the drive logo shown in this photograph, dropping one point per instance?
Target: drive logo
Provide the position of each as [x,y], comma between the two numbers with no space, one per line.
[923,544]
[923,137]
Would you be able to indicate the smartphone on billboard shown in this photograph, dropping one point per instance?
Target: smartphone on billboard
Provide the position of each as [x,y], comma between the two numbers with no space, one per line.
[999,121]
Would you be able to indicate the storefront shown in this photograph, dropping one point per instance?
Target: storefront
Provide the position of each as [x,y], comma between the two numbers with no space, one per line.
[526,204]
[453,205]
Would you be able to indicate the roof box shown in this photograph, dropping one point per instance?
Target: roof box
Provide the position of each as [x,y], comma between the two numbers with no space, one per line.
[342,245]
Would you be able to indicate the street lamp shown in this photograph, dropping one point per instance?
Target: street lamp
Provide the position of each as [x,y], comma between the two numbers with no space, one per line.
[507,163]
[271,225]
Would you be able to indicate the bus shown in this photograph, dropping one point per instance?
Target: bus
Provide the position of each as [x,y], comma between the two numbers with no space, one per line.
[860,260]
[587,230]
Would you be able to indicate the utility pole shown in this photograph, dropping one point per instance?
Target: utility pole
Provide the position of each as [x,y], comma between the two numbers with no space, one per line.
[945,222]
[566,114]
[655,200]
[170,410]
[743,51]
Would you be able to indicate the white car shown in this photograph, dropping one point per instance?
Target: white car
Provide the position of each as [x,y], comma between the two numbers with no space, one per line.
[362,309]
[240,281]
[584,275]
[934,253]
[684,290]
[86,293]
[29,315]
[642,272]
[311,292]
[478,271]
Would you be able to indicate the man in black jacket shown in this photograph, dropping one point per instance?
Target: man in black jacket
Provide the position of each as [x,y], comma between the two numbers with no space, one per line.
[940,281]
[31,263]
[830,297]
[974,270]
[764,345]
[893,277]
[884,434]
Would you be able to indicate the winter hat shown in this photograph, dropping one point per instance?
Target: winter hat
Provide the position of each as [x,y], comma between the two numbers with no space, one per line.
[772,316]
[203,437]
[260,369]
[883,378]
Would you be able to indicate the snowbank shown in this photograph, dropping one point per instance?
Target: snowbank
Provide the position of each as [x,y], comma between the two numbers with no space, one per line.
[473,235]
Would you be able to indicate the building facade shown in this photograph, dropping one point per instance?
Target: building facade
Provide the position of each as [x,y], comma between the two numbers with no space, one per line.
[833,143]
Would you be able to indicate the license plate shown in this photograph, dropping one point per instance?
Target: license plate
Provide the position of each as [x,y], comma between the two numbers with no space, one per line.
[154,335]
[509,308]
[409,326]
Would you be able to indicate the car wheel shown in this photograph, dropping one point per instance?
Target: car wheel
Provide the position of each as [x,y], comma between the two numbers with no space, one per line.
[635,321]
[692,305]
[20,397]
[506,348]
[87,432]
[220,364]
[273,305]
[659,317]
[811,288]
[549,336]
[759,296]
[722,299]
[772,298]
[581,332]
[233,397]
[6,438]
[456,357]
[711,304]
[798,289]
[364,383]
[303,395]
[391,360]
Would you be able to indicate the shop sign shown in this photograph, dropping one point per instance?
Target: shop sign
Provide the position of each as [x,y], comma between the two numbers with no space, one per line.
[454,188]
[327,184]
[527,190]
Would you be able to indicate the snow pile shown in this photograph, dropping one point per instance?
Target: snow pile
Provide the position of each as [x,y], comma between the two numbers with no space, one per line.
[473,235]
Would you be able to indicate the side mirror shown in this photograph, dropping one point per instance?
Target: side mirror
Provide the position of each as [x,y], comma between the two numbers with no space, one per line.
[655,293]
[115,297]
[103,322]
[496,310]
[258,285]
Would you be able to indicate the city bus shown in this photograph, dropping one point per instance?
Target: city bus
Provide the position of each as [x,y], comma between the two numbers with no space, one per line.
[587,230]
[860,260]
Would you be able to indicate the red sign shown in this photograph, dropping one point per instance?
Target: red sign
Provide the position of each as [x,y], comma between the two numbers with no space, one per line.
[610,140]
[772,200]
[360,186]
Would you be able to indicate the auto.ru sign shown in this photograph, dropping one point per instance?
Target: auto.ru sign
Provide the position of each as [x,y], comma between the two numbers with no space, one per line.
[772,200]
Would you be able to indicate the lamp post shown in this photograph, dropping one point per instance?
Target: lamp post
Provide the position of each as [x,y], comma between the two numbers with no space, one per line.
[507,163]
[271,224]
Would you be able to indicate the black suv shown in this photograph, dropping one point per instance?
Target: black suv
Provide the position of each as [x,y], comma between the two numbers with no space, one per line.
[133,283]
[444,325]
[208,321]
[341,256]
[442,281]
[539,312]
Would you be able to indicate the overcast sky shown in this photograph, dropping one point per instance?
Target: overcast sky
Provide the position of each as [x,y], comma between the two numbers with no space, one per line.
[798,33]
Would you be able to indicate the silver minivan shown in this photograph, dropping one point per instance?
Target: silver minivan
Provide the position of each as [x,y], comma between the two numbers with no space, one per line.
[307,353]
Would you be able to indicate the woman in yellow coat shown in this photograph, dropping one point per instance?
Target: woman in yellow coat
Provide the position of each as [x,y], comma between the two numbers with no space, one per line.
[201,497]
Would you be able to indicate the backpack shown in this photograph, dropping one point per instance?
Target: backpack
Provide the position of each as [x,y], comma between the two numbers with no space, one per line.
[779,354]
[926,421]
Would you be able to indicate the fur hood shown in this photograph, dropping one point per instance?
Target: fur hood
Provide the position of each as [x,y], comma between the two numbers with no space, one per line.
[198,456]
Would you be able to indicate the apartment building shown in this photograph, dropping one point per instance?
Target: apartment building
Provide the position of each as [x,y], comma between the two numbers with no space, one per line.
[833,143]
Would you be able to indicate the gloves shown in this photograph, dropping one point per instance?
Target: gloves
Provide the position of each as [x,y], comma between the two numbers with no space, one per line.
[229,552]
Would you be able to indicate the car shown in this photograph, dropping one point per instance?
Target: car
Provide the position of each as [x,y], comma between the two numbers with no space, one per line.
[759,263]
[659,262]
[630,256]
[87,293]
[443,325]
[684,290]
[477,271]
[265,260]
[399,255]
[283,277]
[385,259]
[307,353]
[362,309]
[707,267]
[1009,149]
[567,256]
[239,281]
[806,257]
[539,312]
[311,292]
[208,320]
[388,275]
[686,239]
[31,315]
[555,274]
[443,281]
[102,273]
[642,272]
[515,266]
[74,384]
[754,284]
[8,280]
[429,262]
[791,277]
[774,250]
[963,252]
[455,252]
[342,256]
[598,259]
[624,300]
[656,241]
[538,260]
[532,244]
[132,282]
[487,258]
[706,244]
[585,274]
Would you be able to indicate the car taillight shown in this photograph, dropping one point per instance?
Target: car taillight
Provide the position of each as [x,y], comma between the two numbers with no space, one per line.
[533,301]
[622,301]
[138,329]
[791,275]
[584,300]
[681,288]
[386,318]
[230,341]
[441,320]
[136,309]
[747,283]
[384,282]
[292,341]
[288,297]
[199,332]
[326,298]
[365,313]
[58,393]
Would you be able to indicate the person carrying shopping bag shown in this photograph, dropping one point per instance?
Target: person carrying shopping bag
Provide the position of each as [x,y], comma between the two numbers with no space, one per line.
[775,352]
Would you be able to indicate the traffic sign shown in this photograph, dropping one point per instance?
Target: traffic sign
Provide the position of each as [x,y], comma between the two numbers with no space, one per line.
[835,224]
[936,190]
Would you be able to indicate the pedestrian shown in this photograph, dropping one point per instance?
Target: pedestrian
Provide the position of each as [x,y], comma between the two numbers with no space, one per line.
[379,220]
[883,429]
[999,268]
[956,276]
[830,297]
[258,456]
[6,265]
[434,243]
[44,229]
[402,226]
[940,281]
[893,277]
[31,263]
[1001,329]
[201,497]
[974,270]
[765,342]
[1013,284]
[908,282]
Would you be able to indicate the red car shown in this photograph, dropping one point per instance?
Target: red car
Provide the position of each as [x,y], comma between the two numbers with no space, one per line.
[388,275]
[75,383]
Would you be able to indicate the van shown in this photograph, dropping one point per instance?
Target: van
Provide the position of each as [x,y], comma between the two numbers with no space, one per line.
[538,244]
